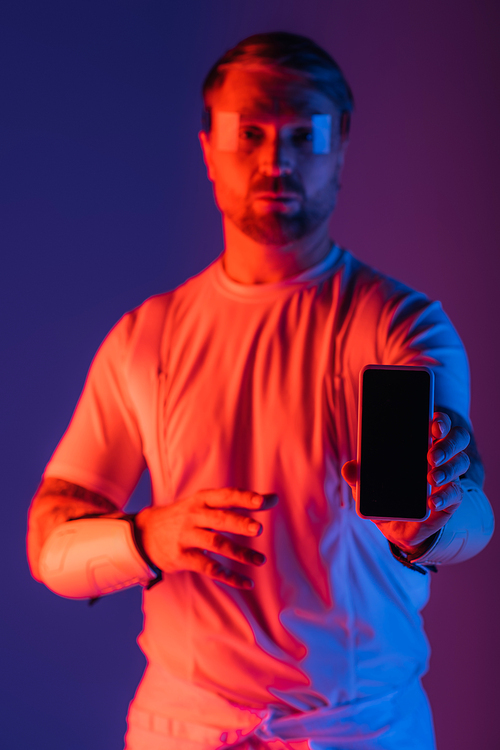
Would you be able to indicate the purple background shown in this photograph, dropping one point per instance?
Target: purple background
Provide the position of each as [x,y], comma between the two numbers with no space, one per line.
[104,201]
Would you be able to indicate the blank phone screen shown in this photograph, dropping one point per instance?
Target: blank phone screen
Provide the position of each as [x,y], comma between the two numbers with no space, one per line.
[395,410]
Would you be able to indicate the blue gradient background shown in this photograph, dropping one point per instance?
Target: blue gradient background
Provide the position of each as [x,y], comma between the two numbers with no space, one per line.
[104,201]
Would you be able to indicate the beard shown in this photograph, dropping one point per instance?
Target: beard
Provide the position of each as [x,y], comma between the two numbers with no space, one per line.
[276,227]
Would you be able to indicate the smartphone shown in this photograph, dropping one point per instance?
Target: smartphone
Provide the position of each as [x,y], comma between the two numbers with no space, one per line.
[396,404]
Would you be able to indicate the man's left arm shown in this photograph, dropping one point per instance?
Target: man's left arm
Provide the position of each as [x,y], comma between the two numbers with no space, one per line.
[457,496]
[461,522]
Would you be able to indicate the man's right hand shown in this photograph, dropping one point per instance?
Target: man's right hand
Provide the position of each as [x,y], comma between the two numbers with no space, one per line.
[181,536]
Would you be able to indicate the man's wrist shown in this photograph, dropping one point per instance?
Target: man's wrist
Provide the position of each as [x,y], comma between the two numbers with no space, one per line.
[407,558]
[413,553]
[137,535]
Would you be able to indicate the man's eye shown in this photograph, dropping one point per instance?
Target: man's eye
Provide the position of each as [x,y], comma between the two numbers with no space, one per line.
[251,134]
[302,136]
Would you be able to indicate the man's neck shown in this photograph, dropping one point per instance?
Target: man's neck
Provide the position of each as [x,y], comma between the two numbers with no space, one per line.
[250,262]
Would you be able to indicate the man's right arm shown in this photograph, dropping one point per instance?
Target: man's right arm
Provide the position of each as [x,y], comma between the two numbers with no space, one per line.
[65,556]
[55,502]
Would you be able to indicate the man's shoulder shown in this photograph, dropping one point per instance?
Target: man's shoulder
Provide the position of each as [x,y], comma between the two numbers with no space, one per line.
[376,307]
[158,304]
[142,328]
[359,279]
[156,308]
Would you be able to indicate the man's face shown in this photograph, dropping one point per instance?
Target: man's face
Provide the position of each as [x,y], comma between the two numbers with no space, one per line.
[267,178]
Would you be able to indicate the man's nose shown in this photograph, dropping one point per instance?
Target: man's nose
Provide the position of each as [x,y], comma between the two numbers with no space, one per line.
[276,159]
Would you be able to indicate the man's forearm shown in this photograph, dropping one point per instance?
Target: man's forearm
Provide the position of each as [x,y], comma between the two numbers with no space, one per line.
[81,545]
[464,507]
[470,528]
[466,533]
[56,502]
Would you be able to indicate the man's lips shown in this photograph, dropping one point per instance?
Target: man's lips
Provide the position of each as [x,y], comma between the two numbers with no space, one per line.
[279,197]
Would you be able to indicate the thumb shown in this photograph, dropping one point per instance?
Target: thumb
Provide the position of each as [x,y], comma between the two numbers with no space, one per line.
[350,473]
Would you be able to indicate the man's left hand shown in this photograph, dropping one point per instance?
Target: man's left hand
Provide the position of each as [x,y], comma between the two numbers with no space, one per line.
[448,461]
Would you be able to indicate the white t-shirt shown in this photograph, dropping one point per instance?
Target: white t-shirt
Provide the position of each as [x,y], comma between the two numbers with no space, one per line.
[221,384]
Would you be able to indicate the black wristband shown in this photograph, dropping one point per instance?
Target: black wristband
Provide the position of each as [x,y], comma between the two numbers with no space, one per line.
[405,558]
[138,543]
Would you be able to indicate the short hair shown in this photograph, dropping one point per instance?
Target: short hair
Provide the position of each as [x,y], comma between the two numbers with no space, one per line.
[292,52]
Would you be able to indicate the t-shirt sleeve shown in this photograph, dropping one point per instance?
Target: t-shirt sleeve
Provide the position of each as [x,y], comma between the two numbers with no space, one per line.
[102,447]
[418,332]
[387,323]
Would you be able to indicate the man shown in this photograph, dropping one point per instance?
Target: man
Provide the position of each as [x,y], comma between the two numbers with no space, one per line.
[275,617]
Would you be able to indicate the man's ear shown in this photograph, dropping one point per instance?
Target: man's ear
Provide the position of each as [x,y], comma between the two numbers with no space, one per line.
[341,156]
[206,148]
[342,150]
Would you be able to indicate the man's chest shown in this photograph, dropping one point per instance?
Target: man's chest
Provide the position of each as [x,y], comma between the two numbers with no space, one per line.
[246,389]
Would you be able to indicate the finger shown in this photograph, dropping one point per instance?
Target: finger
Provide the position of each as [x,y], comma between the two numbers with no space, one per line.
[457,440]
[447,499]
[226,520]
[230,497]
[223,545]
[441,425]
[197,561]
[450,471]
[270,500]
[350,473]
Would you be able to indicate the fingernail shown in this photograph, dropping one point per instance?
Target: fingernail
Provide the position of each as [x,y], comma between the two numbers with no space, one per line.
[247,584]
[271,497]
[258,559]
[438,477]
[254,527]
[438,503]
[441,426]
[257,501]
[438,456]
